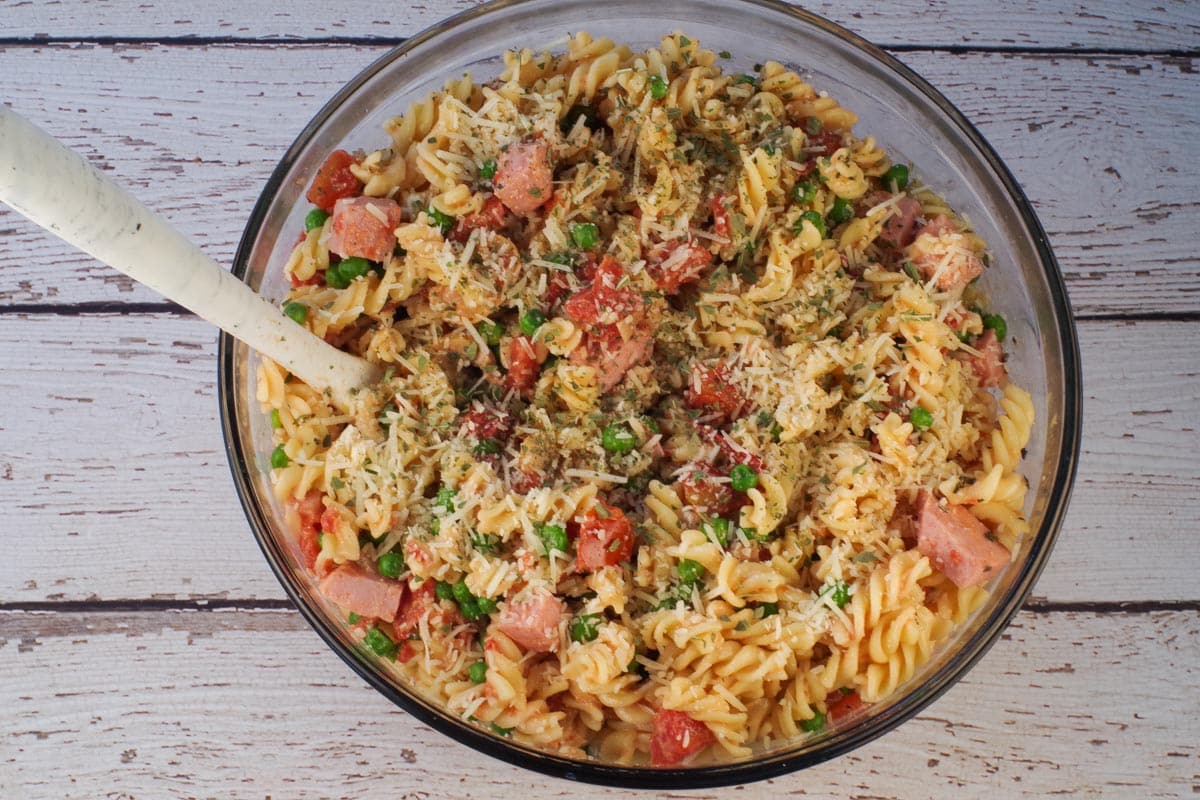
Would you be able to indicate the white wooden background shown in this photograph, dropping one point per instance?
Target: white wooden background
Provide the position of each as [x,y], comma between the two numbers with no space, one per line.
[147,652]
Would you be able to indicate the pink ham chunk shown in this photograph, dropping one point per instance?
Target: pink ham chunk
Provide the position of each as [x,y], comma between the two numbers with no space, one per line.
[533,623]
[988,366]
[364,593]
[900,227]
[364,227]
[941,249]
[957,543]
[524,177]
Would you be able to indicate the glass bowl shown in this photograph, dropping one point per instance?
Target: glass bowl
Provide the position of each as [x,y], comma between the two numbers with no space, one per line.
[907,116]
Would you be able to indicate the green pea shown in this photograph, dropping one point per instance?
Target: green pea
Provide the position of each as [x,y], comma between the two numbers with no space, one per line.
[618,439]
[813,217]
[297,312]
[804,192]
[585,628]
[333,277]
[470,609]
[490,332]
[813,125]
[443,591]
[353,618]
[565,259]
[719,528]
[531,320]
[445,499]
[768,609]
[815,724]
[842,211]
[585,235]
[477,672]
[487,605]
[487,447]
[461,593]
[554,537]
[443,220]
[380,643]
[342,274]
[690,571]
[487,170]
[315,219]
[742,478]
[279,459]
[996,323]
[921,419]
[276,422]
[390,565]
[896,178]
[658,87]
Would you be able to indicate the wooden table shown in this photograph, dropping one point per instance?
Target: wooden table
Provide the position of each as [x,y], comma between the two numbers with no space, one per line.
[146,651]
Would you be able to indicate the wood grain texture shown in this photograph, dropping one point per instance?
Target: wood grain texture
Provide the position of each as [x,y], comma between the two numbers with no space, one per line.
[1100,144]
[1104,24]
[252,705]
[113,474]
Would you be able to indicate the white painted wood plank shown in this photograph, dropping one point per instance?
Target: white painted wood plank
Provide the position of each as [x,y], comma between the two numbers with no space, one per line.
[1108,24]
[252,705]
[115,485]
[1102,145]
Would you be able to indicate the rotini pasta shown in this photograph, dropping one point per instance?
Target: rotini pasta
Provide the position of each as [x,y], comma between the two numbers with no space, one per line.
[693,435]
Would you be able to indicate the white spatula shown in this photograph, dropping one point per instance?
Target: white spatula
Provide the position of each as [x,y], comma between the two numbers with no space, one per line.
[57,189]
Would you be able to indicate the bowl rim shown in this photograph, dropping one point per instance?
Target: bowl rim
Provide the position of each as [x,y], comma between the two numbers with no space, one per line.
[981,640]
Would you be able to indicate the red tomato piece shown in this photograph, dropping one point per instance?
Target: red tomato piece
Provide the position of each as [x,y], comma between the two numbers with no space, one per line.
[415,605]
[675,736]
[334,181]
[487,422]
[493,216]
[523,365]
[701,489]
[604,300]
[720,213]
[843,706]
[710,390]
[310,510]
[605,538]
[683,264]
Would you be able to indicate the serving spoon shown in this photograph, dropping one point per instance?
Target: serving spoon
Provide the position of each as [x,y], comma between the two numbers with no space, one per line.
[59,190]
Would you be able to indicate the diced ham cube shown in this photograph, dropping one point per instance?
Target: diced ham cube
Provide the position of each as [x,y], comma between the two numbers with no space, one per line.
[415,606]
[957,543]
[675,736]
[702,490]
[941,249]
[989,364]
[619,335]
[524,178]
[364,593]
[533,623]
[613,353]
[364,227]
[899,229]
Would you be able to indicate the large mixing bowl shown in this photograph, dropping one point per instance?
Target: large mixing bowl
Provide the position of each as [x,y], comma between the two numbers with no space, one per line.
[909,118]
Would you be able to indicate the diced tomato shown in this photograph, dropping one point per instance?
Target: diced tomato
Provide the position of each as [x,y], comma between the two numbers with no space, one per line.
[720,214]
[522,481]
[957,543]
[523,365]
[310,510]
[313,281]
[487,422]
[364,227]
[701,489]
[710,390]
[681,264]
[492,217]
[334,181]
[823,144]
[605,537]
[415,605]
[730,452]
[989,364]
[604,300]
[675,736]
[842,706]
[557,287]
[533,622]
[524,177]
